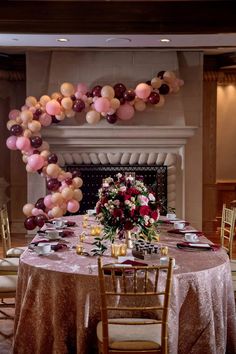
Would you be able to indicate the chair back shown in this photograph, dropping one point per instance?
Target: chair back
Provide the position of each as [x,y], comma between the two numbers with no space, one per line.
[5,230]
[137,291]
[227,230]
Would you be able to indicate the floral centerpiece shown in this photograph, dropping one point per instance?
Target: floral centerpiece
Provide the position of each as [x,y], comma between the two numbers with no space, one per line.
[126,204]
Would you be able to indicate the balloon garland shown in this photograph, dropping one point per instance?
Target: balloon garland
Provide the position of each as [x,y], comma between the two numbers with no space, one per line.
[113,103]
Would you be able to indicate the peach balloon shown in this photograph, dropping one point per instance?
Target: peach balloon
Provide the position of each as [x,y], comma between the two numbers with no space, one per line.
[56,95]
[77,182]
[35,162]
[67,103]
[53,170]
[67,89]
[57,198]
[67,193]
[45,154]
[27,209]
[13,114]
[53,107]
[143,90]
[57,212]
[156,82]
[78,195]
[10,123]
[26,116]
[27,133]
[44,100]
[140,105]
[34,126]
[115,103]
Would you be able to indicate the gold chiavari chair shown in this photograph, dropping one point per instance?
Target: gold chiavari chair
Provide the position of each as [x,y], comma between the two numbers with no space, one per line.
[127,292]
[227,234]
[8,251]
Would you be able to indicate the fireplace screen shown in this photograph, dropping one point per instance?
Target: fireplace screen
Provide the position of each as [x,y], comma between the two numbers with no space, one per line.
[153,176]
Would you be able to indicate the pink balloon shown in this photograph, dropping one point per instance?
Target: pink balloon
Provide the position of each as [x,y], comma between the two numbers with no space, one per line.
[53,107]
[13,114]
[102,104]
[48,201]
[125,111]
[11,142]
[35,211]
[143,90]
[73,206]
[45,119]
[23,143]
[82,88]
[35,162]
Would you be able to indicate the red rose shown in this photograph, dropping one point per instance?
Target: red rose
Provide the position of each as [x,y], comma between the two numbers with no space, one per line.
[154,214]
[144,210]
[128,225]
[127,196]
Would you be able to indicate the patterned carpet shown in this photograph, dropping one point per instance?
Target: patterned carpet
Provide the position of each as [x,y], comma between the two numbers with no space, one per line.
[6,331]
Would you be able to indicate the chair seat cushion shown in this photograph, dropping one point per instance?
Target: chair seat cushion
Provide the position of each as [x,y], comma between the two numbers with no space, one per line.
[8,283]
[9,264]
[233,265]
[15,252]
[132,337]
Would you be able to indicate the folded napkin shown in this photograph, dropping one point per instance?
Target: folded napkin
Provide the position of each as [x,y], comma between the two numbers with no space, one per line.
[56,247]
[59,247]
[198,246]
[182,232]
[171,222]
[134,263]
[70,223]
[66,233]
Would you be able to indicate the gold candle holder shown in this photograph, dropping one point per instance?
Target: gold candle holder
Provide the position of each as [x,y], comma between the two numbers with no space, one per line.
[115,250]
[82,237]
[79,249]
[85,224]
[164,250]
[123,250]
[156,238]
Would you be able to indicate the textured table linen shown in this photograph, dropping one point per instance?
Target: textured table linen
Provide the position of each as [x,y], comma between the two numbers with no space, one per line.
[57,303]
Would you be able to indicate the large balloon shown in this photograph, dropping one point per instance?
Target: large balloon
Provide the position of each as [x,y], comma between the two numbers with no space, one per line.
[125,111]
[143,90]
[30,223]
[11,142]
[35,162]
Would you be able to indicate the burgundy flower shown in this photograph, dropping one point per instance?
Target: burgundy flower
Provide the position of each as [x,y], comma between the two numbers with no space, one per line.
[117,213]
[133,191]
[104,200]
[98,208]
[128,225]
[127,196]
[154,214]
[144,210]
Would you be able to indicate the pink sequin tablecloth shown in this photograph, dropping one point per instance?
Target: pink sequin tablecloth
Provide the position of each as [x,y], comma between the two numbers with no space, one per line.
[57,303]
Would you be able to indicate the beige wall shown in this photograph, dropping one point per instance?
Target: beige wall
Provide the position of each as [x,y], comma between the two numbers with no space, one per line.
[226,134]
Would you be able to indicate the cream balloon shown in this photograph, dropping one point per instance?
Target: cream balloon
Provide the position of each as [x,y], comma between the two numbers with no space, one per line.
[56,212]
[27,209]
[10,123]
[45,154]
[26,116]
[34,126]
[69,113]
[67,89]
[55,95]
[57,198]
[67,103]
[93,117]
[53,170]
[156,82]
[27,133]
[44,100]
[108,91]
[30,101]
[140,105]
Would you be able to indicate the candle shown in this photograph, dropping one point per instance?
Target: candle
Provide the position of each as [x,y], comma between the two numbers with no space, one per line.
[85,224]
[98,230]
[115,250]
[82,237]
[164,250]
[79,249]
[93,231]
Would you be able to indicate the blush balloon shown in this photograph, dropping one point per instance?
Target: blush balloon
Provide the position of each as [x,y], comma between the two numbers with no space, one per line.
[23,143]
[48,201]
[14,113]
[143,90]
[53,107]
[11,142]
[45,120]
[73,206]
[102,104]
[125,111]
[35,162]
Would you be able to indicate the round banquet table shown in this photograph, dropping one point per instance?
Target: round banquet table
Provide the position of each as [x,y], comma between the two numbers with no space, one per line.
[57,301]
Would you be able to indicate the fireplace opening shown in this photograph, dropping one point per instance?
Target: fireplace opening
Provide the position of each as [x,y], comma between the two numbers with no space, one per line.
[155,177]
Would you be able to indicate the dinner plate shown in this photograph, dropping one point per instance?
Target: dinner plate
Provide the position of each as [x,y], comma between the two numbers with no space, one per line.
[44,254]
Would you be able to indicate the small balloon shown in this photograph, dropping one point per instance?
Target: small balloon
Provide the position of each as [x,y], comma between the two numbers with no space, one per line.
[111,118]
[154,97]
[40,220]
[11,142]
[53,184]
[119,90]
[16,130]
[96,91]
[40,204]
[143,90]
[164,89]
[53,107]
[129,95]
[52,158]
[36,141]
[67,89]
[125,111]
[73,206]
[27,209]
[30,223]
[78,105]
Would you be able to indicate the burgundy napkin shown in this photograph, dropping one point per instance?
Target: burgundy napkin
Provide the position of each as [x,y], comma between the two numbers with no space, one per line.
[59,247]
[186,245]
[178,231]
[134,263]
[66,233]
[70,223]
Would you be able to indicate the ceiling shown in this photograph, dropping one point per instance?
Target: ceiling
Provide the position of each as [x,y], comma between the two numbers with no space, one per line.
[207,26]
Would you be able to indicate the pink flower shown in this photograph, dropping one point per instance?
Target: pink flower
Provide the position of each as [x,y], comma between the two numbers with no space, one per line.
[143,200]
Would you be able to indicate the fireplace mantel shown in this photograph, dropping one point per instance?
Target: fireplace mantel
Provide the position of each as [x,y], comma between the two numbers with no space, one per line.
[64,137]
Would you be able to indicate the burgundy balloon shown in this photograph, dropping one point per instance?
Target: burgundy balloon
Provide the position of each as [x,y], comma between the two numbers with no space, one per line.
[73,98]
[36,151]
[89,94]
[129,95]
[161,74]
[69,181]
[16,130]
[111,118]
[122,100]
[37,114]
[53,184]
[40,220]
[148,82]
[36,141]
[76,173]
[96,91]
[119,90]
[164,89]
[40,204]
[154,97]
[78,105]
[30,223]
[52,158]
[54,120]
